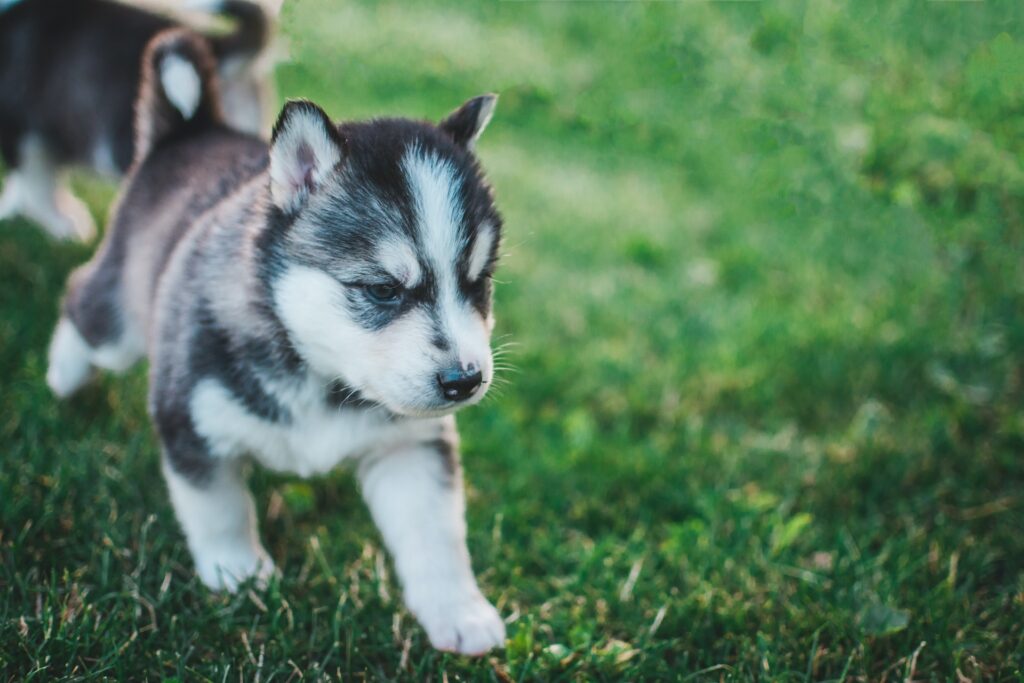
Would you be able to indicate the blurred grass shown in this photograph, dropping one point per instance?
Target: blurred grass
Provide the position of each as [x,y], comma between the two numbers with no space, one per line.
[763,274]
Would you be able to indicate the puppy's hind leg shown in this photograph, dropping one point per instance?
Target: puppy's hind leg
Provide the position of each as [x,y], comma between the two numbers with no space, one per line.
[217,514]
[93,331]
[38,192]
[70,360]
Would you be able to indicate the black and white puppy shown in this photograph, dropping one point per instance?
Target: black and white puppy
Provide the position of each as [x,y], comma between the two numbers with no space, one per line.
[69,76]
[323,299]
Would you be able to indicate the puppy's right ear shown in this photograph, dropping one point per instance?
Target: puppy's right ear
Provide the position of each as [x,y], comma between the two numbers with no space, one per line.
[304,149]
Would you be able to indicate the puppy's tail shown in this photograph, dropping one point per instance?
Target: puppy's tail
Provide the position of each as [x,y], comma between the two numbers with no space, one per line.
[177,91]
[251,31]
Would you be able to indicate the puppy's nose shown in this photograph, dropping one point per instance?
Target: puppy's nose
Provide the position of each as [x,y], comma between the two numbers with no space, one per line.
[458,383]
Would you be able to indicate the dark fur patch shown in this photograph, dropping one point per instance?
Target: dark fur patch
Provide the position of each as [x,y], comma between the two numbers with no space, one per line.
[186,451]
[235,365]
[340,395]
[449,456]
[93,298]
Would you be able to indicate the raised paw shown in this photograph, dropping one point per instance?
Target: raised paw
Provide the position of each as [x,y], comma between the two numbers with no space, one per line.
[469,627]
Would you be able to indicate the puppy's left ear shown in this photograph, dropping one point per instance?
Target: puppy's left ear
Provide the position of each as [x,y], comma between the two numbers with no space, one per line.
[467,122]
[304,148]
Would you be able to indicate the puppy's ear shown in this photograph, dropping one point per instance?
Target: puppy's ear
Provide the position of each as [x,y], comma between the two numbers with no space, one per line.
[304,148]
[467,122]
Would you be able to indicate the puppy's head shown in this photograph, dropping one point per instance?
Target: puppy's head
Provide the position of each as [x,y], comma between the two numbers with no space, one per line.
[386,236]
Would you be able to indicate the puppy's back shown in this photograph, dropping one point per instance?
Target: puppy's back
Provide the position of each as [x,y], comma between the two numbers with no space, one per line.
[186,161]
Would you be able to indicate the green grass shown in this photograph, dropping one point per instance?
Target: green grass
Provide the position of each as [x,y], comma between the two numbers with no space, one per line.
[764,270]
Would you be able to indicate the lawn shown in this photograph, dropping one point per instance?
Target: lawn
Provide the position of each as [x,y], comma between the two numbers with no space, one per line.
[763,289]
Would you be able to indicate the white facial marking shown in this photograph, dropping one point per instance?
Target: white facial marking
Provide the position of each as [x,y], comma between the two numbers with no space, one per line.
[436,194]
[481,251]
[435,190]
[398,259]
[393,366]
[310,303]
[181,84]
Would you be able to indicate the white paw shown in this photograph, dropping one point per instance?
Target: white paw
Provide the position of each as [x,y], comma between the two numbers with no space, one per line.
[64,380]
[69,357]
[228,568]
[470,626]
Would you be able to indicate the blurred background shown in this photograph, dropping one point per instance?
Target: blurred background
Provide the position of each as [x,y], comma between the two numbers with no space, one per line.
[763,295]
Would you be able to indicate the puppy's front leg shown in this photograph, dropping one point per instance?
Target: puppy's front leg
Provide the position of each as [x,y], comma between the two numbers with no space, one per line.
[218,517]
[415,496]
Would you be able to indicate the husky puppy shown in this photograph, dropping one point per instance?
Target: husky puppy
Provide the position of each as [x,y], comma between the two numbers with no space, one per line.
[69,75]
[323,299]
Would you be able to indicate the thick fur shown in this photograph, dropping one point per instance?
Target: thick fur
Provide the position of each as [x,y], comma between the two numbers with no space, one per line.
[302,304]
[69,77]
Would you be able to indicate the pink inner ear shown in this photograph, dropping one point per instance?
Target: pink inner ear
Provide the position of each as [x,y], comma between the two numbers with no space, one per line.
[305,164]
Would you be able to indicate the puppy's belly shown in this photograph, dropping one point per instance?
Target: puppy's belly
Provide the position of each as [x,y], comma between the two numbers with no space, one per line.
[316,440]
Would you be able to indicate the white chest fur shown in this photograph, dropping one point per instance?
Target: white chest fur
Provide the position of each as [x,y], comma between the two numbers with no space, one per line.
[316,439]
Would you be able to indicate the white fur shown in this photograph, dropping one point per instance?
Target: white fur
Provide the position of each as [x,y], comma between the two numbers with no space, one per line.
[72,359]
[419,509]
[69,360]
[398,258]
[121,355]
[242,97]
[303,130]
[471,336]
[395,367]
[436,193]
[416,501]
[317,439]
[181,84]
[481,251]
[219,521]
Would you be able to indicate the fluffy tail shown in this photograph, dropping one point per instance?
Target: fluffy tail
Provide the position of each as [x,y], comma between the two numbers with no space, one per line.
[251,31]
[178,89]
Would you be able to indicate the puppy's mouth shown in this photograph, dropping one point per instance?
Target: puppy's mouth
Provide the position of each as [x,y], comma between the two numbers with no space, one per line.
[436,410]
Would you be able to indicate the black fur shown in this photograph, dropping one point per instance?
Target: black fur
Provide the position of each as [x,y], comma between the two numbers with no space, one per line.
[235,364]
[449,453]
[464,123]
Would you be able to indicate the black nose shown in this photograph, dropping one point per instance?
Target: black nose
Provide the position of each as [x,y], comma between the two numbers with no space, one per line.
[458,383]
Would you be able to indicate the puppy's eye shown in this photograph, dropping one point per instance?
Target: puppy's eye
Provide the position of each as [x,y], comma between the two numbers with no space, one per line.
[383,293]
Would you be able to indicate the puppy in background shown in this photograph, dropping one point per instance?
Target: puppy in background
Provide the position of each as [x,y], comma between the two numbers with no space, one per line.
[69,76]
[322,299]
